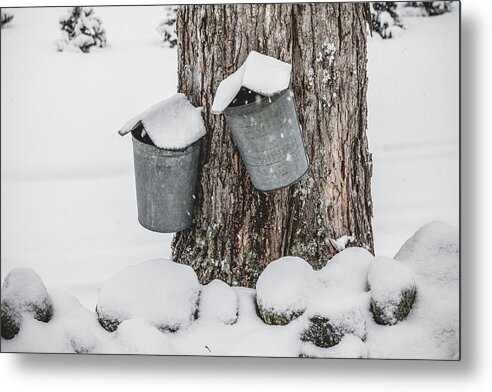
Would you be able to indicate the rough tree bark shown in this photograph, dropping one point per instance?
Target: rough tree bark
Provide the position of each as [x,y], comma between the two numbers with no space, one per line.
[237,230]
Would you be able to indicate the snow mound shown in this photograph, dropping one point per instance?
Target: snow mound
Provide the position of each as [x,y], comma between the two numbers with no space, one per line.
[136,336]
[23,293]
[78,328]
[433,253]
[283,289]
[350,346]
[388,277]
[406,340]
[262,74]
[72,329]
[172,124]
[161,292]
[393,290]
[218,301]
[346,271]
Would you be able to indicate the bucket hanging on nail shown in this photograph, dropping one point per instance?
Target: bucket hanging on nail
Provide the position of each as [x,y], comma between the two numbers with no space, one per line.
[268,137]
[260,111]
[167,142]
[166,182]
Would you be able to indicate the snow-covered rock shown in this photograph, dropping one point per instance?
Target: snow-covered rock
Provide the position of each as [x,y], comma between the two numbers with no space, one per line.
[23,294]
[433,254]
[340,302]
[77,327]
[262,74]
[72,329]
[393,290]
[346,271]
[161,292]
[283,290]
[172,124]
[329,320]
[350,346]
[218,301]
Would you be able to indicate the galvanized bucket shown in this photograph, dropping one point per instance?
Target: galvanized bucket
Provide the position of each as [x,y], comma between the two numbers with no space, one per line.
[268,137]
[166,182]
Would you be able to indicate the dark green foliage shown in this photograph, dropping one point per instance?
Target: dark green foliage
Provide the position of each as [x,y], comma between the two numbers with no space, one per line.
[386,16]
[385,19]
[68,22]
[431,8]
[167,27]
[81,28]
[5,18]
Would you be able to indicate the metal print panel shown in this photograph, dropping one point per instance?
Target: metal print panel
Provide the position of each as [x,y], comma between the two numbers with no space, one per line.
[328,228]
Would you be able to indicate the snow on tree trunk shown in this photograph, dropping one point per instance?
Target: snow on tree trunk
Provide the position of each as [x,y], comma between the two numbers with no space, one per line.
[237,230]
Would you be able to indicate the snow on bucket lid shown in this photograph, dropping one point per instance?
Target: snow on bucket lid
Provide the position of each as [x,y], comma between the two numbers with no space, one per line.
[172,124]
[262,74]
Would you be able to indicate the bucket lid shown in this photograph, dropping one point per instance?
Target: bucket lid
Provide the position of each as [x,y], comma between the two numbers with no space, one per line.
[172,124]
[262,74]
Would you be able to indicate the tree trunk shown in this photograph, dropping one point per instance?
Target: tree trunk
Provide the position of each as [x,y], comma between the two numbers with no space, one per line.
[237,230]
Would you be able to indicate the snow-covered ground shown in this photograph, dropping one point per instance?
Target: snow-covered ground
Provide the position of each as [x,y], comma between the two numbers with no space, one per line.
[358,306]
[68,188]
[68,203]
[413,128]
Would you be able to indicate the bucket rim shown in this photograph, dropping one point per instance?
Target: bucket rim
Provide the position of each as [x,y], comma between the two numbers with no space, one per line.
[174,152]
[260,103]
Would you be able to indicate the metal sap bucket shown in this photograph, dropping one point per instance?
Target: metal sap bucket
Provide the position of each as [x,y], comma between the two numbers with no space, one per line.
[166,182]
[268,137]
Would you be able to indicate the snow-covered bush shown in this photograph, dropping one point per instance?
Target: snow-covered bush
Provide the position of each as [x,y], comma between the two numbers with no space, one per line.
[167,27]
[427,8]
[23,294]
[81,28]
[218,302]
[283,290]
[161,292]
[385,19]
[387,16]
[393,290]
[5,18]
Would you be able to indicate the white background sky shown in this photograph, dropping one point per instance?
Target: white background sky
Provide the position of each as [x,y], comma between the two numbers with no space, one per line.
[77,373]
